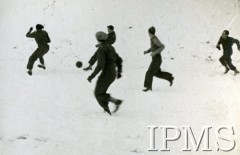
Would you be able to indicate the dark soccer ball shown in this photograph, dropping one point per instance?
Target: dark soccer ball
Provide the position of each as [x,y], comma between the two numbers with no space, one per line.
[79,64]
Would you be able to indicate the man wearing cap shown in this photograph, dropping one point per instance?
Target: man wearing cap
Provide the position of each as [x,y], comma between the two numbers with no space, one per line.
[107,61]
[42,39]
[227,43]
[111,38]
[154,68]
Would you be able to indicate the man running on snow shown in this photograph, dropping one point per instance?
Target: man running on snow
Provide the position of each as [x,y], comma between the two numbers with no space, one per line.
[42,39]
[227,43]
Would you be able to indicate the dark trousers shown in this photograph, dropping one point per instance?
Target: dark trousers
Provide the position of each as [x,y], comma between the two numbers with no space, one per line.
[38,54]
[104,81]
[226,60]
[155,70]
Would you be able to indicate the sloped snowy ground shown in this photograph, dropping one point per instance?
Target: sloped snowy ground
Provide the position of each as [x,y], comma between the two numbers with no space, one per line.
[55,112]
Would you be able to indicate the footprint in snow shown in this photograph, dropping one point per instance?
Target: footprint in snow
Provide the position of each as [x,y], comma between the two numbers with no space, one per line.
[22,138]
[41,139]
[136,151]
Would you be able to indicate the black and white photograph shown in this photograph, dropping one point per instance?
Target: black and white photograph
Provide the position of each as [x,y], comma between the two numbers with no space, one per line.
[120,77]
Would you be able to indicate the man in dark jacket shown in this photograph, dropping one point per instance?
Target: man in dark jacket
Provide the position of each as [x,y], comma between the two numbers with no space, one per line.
[227,43]
[110,39]
[154,68]
[111,35]
[108,60]
[42,39]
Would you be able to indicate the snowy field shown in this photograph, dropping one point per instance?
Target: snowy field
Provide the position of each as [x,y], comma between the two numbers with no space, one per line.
[54,112]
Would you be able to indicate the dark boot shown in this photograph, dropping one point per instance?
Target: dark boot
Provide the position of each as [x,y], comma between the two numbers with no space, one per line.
[236,72]
[107,110]
[29,72]
[226,71]
[147,89]
[117,103]
[171,81]
[42,66]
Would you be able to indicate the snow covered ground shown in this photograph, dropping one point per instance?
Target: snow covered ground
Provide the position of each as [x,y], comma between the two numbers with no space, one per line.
[54,112]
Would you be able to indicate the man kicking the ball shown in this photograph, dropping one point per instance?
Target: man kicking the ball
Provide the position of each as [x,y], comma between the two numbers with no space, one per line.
[107,62]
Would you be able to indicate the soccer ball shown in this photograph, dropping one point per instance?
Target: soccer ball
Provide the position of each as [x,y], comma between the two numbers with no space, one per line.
[79,64]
